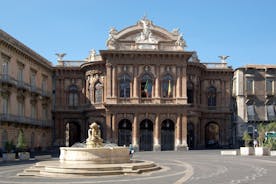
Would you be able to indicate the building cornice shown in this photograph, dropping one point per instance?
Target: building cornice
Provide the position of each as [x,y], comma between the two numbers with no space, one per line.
[9,41]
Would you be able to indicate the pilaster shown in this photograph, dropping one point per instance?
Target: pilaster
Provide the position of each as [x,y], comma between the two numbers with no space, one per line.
[157,134]
[135,133]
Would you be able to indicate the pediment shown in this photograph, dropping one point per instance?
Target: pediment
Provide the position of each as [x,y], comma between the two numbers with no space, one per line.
[145,36]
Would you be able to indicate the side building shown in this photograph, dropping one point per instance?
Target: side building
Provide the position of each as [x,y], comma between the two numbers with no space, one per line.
[25,94]
[255,98]
[145,89]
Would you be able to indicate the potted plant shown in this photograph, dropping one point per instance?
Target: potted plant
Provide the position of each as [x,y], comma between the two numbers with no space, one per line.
[246,150]
[22,147]
[8,155]
[261,149]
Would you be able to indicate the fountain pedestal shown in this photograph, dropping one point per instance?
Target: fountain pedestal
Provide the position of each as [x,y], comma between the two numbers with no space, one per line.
[104,155]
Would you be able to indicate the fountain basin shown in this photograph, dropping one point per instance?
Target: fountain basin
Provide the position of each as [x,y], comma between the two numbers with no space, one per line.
[103,155]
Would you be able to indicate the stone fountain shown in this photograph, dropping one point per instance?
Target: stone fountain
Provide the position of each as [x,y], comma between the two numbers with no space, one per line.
[91,159]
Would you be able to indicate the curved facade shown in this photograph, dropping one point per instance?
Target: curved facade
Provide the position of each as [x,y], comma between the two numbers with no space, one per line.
[145,90]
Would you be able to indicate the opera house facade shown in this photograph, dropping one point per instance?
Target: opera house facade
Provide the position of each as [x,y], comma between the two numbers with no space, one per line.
[145,90]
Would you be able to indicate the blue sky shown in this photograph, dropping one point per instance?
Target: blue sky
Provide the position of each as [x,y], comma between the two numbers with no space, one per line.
[243,29]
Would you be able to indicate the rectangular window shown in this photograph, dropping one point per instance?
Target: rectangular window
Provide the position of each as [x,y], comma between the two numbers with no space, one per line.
[44,112]
[21,108]
[44,84]
[20,72]
[270,112]
[5,64]
[249,85]
[5,105]
[32,78]
[269,86]
[250,113]
[33,111]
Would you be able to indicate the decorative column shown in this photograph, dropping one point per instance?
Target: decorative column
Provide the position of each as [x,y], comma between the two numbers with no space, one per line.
[135,81]
[157,134]
[178,83]
[135,133]
[157,90]
[184,132]
[108,126]
[114,82]
[114,129]
[108,80]
[184,84]
[178,132]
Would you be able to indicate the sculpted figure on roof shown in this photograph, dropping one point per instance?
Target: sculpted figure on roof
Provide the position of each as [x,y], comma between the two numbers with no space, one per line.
[146,35]
[111,41]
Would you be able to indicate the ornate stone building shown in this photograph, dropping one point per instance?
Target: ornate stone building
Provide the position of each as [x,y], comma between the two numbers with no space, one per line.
[145,89]
[25,94]
[254,96]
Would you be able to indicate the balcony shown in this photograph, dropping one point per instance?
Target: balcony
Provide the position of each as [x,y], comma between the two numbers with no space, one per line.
[22,85]
[25,120]
[45,93]
[7,79]
[35,90]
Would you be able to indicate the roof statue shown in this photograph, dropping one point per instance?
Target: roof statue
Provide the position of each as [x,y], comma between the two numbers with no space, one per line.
[146,35]
[175,31]
[223,58]
[60,56]
[180,41]
[111,41]
[92,55]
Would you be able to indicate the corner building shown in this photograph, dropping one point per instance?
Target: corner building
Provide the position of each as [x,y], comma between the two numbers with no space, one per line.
[145,89]
[25,95]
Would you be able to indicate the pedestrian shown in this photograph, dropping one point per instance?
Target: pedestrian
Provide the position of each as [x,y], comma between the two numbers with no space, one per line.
[131,150]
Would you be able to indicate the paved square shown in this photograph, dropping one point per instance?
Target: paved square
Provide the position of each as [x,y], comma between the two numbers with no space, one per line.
[192,167]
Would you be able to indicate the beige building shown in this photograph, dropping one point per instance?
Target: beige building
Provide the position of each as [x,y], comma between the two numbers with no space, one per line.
[145,89]
[254,96]
[25,94]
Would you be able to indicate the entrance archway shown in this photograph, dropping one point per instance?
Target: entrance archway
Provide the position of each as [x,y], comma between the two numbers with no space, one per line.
[167,135]
[72,133]
[146,135]
[124,132]
[191,135]
[212,135]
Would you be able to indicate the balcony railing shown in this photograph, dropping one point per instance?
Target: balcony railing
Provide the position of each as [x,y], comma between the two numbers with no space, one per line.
[6,78]
[25,120]
[22,85]
[216,65]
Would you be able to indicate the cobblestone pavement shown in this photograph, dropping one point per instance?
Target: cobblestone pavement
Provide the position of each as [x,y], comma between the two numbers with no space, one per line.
[192,167]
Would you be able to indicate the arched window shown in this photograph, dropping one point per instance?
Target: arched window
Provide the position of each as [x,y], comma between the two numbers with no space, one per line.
[146,86]
[212,95]
[167,86]
[98,91]
[190,92]
[124,86]
[73,95]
